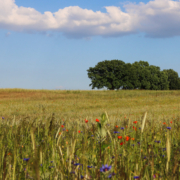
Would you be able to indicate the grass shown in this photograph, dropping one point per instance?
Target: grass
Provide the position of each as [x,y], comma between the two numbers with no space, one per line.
[46,135]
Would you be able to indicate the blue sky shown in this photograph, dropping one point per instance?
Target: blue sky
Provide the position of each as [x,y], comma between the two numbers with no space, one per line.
[51,44]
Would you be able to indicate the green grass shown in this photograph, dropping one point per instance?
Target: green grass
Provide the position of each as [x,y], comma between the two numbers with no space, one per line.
[49,128]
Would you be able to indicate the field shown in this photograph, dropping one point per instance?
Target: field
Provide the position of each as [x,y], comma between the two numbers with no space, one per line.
[63,134]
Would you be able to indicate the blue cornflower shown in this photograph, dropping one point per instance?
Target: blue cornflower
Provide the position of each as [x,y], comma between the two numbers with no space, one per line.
[51,161]
[122,128]
[76,164]
[164,149]
[138,142]
[3,118]
[89,166]
[26,159]
[168,127]
[110,175]
[92,135]
[136,177]
[116,132]
[82,177]
[105,168]
[157,141]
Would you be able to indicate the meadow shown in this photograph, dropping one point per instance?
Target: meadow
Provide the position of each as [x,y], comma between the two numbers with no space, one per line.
[65,134]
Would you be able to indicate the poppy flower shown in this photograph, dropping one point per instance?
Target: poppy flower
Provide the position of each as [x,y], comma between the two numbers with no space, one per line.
[164,123]
[127,138]
[132,139]
[121,143]
[86,121]
[170,121]
[116,126]
[135,122]
[79,131]
[66,130]
[119,137]
[97,120]
[62,126]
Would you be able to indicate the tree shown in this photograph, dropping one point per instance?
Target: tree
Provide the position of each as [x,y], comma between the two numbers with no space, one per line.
[143,74]
[130,78]
[173,79]
[107,74]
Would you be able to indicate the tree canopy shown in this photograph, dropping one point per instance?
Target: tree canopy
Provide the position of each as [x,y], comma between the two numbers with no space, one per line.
[116,74]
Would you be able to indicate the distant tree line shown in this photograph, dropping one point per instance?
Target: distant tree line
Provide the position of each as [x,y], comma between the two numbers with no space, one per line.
[116,74]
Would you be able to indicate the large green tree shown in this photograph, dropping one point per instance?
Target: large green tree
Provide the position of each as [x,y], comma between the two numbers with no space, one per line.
[107,74]
[173,79]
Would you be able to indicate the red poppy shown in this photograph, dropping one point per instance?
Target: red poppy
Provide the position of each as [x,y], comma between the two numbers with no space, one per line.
[97,120]
[164,123]
[116,126]
[79,131]
[119,137]
[127,138]
[86,121]
[62,126]
[170,121]
[135,122]
[121,143]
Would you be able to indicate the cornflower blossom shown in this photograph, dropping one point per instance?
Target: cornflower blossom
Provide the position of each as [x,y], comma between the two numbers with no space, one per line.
[136,177]
[3,118]
[122,128]
[105,168]
[26,159]
[116,132]
[168,127]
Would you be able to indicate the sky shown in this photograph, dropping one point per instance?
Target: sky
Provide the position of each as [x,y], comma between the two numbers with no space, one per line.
[50,44]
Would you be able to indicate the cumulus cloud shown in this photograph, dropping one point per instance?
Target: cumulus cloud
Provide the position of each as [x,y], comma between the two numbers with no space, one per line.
[157,19]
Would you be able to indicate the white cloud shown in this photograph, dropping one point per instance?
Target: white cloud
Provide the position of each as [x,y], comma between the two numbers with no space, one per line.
[158,18]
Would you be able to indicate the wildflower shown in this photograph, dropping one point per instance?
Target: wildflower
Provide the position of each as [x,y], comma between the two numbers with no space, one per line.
[76,164]
[62,126]
[79,131]
[119,137]
[164,123]
[171,122]
[132,139]
[66,130]
[122,128]
[3,118]
[89,166]
[168,127]
[127,138]
[26,159]
[121,143]
[105,168]
[82,177]
[86,121]
[110,175]
[97,120]
[116,126]
[136,177]
[59,133]
[135,122]
[116,132]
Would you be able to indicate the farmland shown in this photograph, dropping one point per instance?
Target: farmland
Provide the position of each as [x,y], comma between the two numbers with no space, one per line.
[64,134]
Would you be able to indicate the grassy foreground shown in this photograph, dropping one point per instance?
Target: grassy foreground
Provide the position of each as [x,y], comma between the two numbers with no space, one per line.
[89,134]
